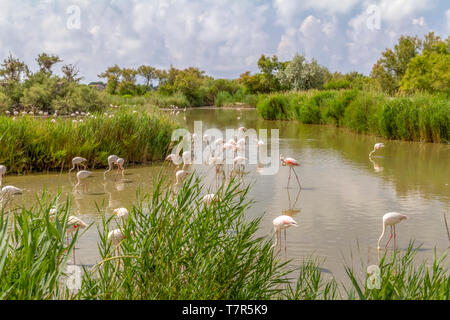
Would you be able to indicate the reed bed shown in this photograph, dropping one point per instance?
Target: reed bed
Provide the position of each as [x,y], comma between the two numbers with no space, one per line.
[32,144]
[419,117]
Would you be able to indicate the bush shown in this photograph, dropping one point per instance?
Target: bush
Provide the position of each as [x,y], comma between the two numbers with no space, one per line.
[275,107]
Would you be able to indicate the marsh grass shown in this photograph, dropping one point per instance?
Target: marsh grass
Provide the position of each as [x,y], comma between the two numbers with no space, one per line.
[32,144]
[33,251]
[419,117]
[402,278]
[178,248]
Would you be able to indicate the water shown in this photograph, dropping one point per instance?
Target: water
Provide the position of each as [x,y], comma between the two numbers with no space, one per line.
[339,209]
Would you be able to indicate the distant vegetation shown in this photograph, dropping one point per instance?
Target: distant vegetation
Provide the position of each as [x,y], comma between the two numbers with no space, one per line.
[33,144]
[421,117]
[405,96]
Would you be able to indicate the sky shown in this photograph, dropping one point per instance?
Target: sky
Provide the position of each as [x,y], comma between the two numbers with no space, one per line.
[223,37]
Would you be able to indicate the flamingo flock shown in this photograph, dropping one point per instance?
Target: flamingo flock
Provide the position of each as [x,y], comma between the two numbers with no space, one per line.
[218,150]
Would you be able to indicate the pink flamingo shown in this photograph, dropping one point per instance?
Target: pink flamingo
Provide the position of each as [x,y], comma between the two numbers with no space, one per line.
[391,219]
[280,223]
[291,162]
[376,147]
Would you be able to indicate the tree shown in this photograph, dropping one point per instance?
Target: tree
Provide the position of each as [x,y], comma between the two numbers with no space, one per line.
[112,74]
[71,72]
[390,68]
[300,74]
[429,71]
[148,73]
[46,62]
[13,68]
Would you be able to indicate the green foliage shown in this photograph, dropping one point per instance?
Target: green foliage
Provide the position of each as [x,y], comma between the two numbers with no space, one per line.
[300,74]
[178,248]
[428,72]
[31,144]
[419,117]
[275,107]
[33,254]
[402,279]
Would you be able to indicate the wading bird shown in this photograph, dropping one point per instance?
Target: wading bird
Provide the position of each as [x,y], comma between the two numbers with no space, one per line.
[121,213]
[391,219]
[76,163]
[73,224]
[280,223]
[119,163]
[291,162]
[180,175]
[209,198]
[111,161]
[82,176]
[376,147]
[7,192]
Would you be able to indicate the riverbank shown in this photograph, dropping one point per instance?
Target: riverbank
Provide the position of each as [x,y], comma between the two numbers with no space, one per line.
[420,117]
[33,144]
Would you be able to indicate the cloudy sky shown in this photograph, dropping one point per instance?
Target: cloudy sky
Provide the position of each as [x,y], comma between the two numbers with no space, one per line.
[222,37]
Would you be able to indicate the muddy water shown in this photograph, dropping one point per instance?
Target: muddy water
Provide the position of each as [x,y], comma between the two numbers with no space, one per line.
[339,208]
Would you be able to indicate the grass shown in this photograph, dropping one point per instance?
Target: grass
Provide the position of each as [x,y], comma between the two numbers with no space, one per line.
[419,117]
[177,248]
[33,252]
[404,279]
[32,144]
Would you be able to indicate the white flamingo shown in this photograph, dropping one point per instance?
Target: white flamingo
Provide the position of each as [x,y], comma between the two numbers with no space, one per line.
[391,219]
[180,175]
[81,177]
[111,160]
[76,162]
[376,147]
[280,223]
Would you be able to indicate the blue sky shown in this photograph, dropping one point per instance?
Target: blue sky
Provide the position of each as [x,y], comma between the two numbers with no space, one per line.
[224,38]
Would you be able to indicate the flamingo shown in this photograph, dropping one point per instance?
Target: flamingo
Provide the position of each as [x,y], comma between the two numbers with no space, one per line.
[240,161]
[119,163]
[116,236]
[291,162]
[111,160]
[376,147]
[121,213]
[7,192]
[81,176]
[209,198]
[280,223]
[391,219]
[76,162]
[187,160]
[73,223]
[2,173]
[180,175]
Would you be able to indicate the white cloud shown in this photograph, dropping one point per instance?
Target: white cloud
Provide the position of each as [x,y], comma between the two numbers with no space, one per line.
[223,37]
[419,21]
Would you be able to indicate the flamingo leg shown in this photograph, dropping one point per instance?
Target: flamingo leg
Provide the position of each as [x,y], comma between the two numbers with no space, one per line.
[285,244]
[297,178]
[289,179]
[394,237]
[389,239]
